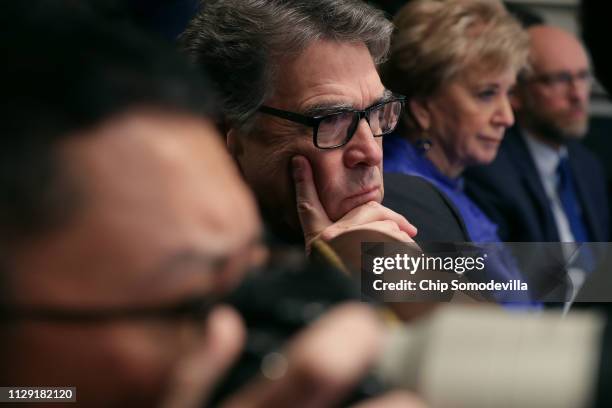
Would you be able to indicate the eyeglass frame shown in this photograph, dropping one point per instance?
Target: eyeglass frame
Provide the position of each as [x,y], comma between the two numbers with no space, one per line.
[315,121]
[565,78]
[196,308]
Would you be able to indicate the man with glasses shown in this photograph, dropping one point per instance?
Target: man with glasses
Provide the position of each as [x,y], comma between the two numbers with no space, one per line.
[544,185]
[305,112]
[123,223]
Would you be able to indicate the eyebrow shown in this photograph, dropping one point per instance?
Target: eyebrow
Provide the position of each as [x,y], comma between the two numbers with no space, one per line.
[189,257]
[327,108]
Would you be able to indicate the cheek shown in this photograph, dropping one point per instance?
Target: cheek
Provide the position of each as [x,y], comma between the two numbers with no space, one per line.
[329,176]
[469,143]
[109,365]
[544,102]
[266,170]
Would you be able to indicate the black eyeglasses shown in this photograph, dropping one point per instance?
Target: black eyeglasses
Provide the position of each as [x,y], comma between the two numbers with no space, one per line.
[336,129]
[194,309]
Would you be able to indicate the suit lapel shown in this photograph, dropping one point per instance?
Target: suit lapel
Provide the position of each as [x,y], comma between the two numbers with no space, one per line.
[584,195]
[530,178]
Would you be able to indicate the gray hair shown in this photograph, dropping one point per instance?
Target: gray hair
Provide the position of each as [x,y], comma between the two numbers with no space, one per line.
[239,42]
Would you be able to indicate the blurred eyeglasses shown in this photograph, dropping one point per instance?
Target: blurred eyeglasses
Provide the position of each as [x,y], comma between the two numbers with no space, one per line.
[562,80]
[336,129]
[194,309]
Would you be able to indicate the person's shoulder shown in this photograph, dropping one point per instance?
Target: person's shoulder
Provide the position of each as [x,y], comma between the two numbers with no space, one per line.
[587,167]
[398,182]
[582,154]
[425,206]
[416,188]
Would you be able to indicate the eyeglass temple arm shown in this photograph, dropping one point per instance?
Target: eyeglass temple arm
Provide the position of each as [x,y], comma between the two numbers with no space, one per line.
[294,117]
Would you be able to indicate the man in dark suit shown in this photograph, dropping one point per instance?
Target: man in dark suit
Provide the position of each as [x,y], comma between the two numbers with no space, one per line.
[304,119]
[544,185]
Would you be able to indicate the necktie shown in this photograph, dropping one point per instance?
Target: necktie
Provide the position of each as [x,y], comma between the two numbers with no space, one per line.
[569,200]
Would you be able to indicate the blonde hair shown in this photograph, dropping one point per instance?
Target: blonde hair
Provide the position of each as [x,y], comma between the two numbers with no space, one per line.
[437,40]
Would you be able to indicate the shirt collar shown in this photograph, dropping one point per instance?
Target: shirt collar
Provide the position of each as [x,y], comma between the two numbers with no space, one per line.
[546,157]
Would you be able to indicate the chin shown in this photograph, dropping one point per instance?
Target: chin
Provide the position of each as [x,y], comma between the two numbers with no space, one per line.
[575,132]
[352,202]
[485,156]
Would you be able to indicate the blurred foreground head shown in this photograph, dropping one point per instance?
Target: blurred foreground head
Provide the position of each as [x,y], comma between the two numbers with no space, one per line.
[121,214]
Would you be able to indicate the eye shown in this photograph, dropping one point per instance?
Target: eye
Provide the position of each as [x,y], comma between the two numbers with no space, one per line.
[487,94]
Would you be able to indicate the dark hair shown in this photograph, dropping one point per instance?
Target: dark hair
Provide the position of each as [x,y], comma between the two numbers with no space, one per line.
[526,16]
[596,33]
[240,42]
[64,72]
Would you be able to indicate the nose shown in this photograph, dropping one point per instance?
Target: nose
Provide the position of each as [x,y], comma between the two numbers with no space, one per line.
[363,149]
[505,115]
[579,90]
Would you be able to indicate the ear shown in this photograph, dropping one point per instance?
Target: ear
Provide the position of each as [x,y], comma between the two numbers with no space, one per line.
[420,112]
[234,143]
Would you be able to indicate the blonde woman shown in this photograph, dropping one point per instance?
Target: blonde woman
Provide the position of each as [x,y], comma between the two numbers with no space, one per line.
[457,62]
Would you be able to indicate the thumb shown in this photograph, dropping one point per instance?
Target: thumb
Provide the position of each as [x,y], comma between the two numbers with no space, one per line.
[196,374]
[313,217]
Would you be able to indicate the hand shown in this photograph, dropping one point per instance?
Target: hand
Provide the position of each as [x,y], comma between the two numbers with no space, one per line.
[323,363]
[196,374]
[316,224]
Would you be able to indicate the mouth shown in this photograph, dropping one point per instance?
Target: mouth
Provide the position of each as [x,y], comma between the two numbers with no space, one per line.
[577,114]
[367,194]
[491,139]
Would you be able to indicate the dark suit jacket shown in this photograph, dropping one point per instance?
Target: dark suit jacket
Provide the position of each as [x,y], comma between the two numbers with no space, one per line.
[510,192]
[425,207]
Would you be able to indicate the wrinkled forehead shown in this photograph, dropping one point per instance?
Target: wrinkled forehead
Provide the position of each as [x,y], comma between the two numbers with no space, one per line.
[327,72]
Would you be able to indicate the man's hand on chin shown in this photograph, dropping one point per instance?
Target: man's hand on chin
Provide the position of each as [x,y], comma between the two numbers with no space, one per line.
[372,218]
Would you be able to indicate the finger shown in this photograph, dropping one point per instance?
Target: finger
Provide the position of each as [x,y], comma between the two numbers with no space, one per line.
[320,368]
[196,374]
[387,227]
[395,399]
[313,216]
[373,211]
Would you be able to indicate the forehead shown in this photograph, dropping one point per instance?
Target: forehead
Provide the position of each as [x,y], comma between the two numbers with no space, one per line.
[328,72]
[555,50]
[471,81]
[480,75]
[155,186]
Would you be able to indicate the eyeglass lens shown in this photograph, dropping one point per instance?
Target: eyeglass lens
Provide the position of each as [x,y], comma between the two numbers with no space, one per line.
[338,129]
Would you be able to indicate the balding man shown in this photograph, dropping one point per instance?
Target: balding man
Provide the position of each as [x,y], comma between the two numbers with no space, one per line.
[544,185]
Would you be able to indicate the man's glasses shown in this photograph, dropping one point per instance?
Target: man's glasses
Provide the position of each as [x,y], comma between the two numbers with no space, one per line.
[336,129]
[561,80]
[194,309]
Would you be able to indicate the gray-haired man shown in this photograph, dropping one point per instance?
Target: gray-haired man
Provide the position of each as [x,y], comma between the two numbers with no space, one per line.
[298,78]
